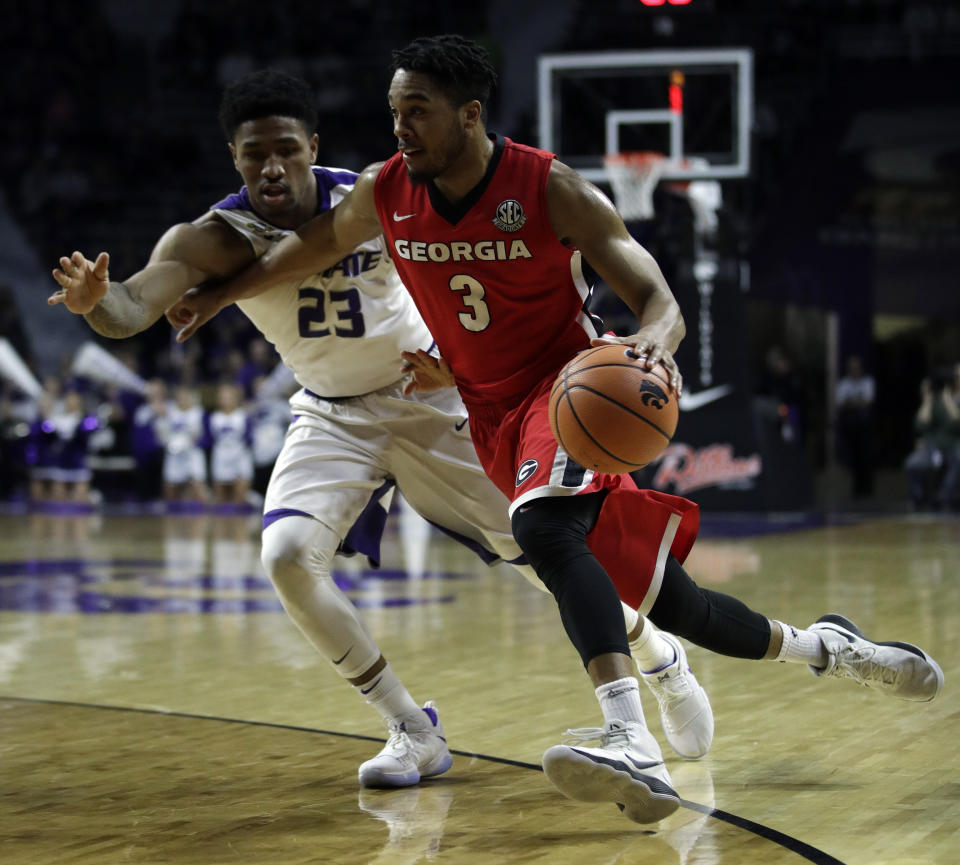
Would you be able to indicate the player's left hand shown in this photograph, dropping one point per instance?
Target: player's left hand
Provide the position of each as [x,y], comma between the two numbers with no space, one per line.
[426,372]
[648,346]
[192,310]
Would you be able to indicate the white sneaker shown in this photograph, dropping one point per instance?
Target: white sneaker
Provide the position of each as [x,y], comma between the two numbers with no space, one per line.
[627,769]
[684,706]
[409,756]
[899,669]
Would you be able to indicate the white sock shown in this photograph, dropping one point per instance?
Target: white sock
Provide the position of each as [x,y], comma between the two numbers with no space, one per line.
[386,693]
[651,652]
[620,700]
[800,646]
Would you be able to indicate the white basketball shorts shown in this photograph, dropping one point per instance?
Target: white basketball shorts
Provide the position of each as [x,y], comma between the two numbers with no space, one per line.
[341,455]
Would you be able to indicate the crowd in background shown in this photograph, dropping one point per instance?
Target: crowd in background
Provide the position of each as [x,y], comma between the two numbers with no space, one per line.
[97,160]
[183,445]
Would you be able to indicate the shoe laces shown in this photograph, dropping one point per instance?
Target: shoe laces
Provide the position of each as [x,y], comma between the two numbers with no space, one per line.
[669,687]
[858,664]
[605,735]
[399,741]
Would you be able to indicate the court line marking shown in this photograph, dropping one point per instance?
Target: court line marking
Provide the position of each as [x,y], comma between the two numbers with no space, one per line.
[788,842]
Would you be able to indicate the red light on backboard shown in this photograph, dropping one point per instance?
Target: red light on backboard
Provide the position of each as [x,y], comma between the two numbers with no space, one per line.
[667,2]
[675,91]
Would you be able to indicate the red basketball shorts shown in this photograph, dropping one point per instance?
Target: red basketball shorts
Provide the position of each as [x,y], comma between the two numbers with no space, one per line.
[636,529]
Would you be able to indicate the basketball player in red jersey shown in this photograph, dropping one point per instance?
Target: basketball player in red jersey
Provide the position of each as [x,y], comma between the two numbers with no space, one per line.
[489,237]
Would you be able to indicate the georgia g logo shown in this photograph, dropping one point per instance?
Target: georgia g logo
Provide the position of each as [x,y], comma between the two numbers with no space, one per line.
[510,216]
[526,470]
[653,395]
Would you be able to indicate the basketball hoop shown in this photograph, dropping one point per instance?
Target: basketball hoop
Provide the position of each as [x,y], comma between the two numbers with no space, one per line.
[634,176]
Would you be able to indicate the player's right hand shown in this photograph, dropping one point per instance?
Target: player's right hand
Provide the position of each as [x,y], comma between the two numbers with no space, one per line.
[83,283]
[194,308]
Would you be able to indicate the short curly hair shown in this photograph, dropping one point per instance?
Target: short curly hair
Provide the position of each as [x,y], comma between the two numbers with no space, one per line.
[460,68]
[267,93]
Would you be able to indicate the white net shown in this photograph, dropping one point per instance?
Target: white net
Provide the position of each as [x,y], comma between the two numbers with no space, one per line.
[633,177]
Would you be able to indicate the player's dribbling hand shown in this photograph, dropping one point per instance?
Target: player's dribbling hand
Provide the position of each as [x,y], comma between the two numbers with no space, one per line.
[191,311]
[426,372]
[652,349]
[83,283]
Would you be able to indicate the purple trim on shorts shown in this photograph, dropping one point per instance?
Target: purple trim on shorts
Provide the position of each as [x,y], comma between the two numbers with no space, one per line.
[365,534]
[486,556]
[279,513]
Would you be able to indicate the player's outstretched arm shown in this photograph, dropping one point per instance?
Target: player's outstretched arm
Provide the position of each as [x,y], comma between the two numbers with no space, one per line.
[187,254]
[584,218]
[315,246]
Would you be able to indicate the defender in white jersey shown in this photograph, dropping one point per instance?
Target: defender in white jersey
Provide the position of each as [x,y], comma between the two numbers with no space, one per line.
[355,434]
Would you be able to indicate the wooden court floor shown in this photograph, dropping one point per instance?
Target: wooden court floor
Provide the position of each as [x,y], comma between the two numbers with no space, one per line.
[156,706]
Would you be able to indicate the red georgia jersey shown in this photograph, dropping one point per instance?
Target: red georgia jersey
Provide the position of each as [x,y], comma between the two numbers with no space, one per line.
[502,296]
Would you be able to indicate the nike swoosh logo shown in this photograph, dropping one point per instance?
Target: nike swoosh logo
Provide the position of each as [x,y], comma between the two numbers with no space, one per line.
[650,765]
[368,690]
[693,401]
[398,218]
[461,425]
[341,660]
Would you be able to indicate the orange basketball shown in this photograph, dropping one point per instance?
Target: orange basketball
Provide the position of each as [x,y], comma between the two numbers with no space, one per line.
[609,412]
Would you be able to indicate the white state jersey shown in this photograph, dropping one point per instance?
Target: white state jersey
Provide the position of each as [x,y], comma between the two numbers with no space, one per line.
[340,331]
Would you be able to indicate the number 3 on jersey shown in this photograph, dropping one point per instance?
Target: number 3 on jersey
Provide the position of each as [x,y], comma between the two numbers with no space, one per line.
[479,316]
[343,309]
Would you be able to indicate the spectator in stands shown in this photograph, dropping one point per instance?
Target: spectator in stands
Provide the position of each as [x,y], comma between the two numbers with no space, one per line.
[950,488]
[41,450]
[855,396]
[937,427]
[184,435]
[261,359]
[14,437]
[782,382]
[71,428]
[270,417]
[231,463]
[146,440]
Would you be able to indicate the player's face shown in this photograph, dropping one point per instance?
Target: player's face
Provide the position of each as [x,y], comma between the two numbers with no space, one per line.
[430,131]
[273,156]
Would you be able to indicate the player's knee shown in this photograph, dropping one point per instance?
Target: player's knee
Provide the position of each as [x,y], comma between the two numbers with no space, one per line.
[541,537]
[552,534]
[295,552]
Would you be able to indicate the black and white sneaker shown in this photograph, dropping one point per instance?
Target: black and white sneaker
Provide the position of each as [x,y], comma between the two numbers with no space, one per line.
[627,769]
[899,669]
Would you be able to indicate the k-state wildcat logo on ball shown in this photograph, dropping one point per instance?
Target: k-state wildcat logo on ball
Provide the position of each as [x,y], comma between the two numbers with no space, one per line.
[650,394]
[510,216]
[526,470]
